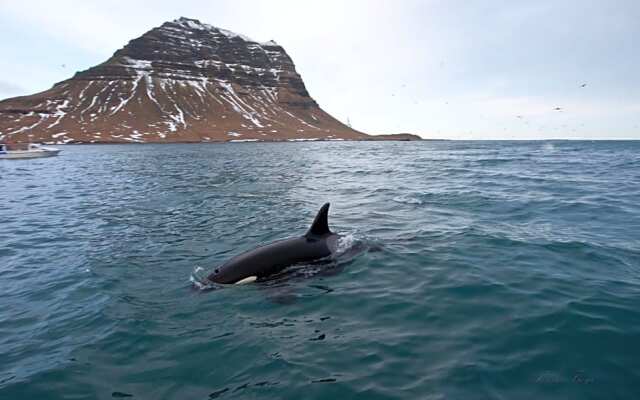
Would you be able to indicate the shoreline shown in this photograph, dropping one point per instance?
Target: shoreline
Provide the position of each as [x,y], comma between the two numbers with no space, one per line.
[333,140]
[239,141]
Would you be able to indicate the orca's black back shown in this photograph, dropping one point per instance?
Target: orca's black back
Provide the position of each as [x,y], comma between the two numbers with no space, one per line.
[271,258]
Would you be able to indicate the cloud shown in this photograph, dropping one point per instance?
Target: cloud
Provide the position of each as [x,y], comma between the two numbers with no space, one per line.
[539,106]
[83,24]
[10,89]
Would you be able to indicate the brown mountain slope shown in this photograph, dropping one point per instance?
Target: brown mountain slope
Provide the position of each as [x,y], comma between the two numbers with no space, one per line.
[184,81]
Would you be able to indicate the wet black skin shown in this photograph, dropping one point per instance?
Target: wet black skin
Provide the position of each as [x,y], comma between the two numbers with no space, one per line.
[317,243]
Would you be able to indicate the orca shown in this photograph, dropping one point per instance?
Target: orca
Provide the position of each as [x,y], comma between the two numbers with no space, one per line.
[319,242]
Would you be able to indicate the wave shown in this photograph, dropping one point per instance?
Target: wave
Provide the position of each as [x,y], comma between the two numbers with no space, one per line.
[407,199]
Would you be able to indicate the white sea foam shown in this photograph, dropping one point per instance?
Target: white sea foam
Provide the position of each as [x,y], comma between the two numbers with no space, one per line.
[345,242]
[198,279]
[548,147]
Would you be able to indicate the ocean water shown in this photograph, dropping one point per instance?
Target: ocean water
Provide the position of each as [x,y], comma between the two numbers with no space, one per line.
[469,270]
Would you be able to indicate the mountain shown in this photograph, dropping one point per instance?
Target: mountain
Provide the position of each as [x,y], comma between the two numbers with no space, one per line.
[184,81]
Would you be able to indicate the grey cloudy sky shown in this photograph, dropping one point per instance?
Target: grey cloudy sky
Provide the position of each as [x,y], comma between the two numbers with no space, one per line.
[447,69]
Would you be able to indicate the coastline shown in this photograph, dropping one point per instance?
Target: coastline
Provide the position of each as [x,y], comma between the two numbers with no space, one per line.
[387,138]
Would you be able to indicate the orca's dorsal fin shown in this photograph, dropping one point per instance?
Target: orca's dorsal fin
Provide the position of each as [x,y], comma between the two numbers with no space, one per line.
[320,225]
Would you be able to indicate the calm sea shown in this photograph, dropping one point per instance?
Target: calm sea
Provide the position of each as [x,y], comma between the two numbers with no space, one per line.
[475,270]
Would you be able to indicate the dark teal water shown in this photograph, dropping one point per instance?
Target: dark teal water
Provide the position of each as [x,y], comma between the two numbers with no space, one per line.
[507,270]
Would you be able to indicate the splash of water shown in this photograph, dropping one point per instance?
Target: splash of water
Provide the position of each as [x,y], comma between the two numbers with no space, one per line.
[345,242]
[198,279]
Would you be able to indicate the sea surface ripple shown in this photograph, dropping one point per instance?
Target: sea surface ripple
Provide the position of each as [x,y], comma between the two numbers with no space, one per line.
[507,270]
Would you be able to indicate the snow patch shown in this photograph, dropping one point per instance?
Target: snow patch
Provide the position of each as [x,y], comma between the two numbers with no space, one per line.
[59,113]
[197,25]
[231,35]
[239,105]
[137,64]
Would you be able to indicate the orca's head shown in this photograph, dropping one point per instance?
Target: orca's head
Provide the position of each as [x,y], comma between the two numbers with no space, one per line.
[227,273]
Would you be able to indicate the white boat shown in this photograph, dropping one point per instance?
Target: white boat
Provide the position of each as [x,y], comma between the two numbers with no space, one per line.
[31,151]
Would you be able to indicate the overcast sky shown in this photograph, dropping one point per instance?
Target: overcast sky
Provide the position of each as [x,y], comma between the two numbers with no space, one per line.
[441,69]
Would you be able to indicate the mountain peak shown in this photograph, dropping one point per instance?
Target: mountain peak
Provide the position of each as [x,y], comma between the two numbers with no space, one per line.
[195,25]
[186,19]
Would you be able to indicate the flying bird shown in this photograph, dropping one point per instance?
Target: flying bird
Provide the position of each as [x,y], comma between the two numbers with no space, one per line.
[558,109]
[583,85]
